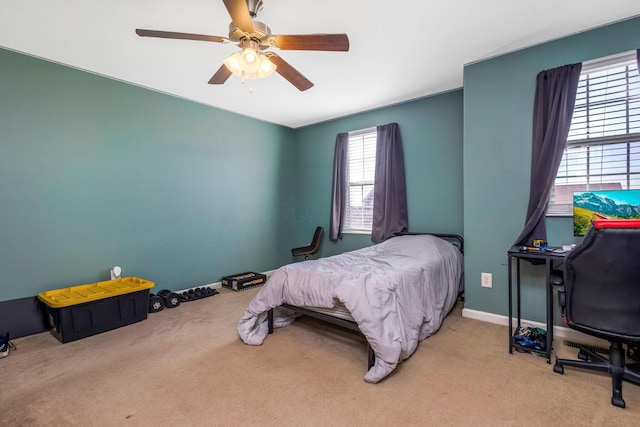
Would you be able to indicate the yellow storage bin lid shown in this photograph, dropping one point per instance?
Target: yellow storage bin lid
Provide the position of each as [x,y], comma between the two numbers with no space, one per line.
[94,291]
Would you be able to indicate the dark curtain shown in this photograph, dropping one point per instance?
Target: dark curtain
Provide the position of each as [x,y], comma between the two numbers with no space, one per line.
[553,108]
[390,191]
[638,59]
[339,187]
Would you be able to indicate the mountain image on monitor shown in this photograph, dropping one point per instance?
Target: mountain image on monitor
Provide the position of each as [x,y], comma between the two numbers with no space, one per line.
[606,204]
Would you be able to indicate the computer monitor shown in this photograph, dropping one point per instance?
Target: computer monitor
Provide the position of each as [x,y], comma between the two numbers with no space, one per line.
[603,204]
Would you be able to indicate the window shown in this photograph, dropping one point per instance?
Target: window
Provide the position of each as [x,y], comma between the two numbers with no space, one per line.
[603,147]
[361,173]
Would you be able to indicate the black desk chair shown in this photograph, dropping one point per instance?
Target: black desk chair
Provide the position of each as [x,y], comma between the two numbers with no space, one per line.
[312,248]
[602,298]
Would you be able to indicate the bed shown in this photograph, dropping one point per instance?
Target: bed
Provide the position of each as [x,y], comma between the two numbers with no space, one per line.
[396,293]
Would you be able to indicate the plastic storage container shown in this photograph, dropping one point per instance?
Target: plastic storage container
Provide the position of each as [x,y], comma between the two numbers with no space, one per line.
[85,310]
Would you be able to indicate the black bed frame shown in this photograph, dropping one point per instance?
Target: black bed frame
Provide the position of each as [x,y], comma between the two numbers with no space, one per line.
[350,324]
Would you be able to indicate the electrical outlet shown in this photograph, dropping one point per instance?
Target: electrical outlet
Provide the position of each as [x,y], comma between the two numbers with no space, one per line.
[485,280]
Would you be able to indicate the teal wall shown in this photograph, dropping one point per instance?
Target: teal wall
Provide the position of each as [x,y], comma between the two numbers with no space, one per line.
[498,115]
[96,173]
[431,130]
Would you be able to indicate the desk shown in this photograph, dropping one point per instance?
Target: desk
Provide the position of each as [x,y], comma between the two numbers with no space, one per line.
[548,257]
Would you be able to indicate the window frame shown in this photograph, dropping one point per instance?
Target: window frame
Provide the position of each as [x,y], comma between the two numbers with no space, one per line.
[600,143]
[363,135]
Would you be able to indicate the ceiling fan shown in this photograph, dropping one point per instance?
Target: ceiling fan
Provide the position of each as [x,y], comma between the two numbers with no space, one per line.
[254,38]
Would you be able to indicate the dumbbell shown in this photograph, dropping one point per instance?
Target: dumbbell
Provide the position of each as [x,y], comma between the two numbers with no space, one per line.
[156,303]
[171,299]
[197,293]
[209,292]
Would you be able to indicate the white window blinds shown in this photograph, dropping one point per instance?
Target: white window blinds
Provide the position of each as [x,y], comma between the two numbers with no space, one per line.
[362,162]
[603,147]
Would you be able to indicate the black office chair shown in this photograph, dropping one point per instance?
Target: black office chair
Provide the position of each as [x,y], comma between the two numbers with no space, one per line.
[602,299]
[312,248]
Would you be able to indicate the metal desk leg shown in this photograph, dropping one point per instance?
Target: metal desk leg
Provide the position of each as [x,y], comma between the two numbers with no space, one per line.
[549,294]
[510,307]
[518,305]
[518,297]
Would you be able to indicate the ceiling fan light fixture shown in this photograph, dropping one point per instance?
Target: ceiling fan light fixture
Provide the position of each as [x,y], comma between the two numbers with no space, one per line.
[249,60]
[262,68]
[233,63]
[266,67]
[249,55]
[250,63]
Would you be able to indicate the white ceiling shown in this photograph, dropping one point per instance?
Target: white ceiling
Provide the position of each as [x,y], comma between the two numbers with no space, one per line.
[399,50]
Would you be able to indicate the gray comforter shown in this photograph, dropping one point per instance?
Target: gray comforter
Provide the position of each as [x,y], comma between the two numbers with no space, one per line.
[398,292]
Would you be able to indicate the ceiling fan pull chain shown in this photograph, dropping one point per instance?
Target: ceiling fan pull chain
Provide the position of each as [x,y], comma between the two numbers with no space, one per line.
[250,85]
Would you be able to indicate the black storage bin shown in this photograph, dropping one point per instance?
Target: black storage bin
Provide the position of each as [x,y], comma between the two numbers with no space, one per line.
[109,305]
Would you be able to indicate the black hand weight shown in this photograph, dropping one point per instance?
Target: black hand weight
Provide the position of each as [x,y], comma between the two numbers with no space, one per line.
[171,299]
[156,303]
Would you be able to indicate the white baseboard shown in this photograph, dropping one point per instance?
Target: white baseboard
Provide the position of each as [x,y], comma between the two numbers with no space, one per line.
[558,331]
[268,273]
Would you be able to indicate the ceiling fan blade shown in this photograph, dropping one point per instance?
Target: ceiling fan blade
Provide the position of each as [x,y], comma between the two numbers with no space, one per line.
[220,76]
[239,12]
[328,42]
[288,72]
[182,36]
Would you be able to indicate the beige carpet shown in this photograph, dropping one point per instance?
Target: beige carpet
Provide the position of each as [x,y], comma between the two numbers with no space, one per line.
[186,366]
